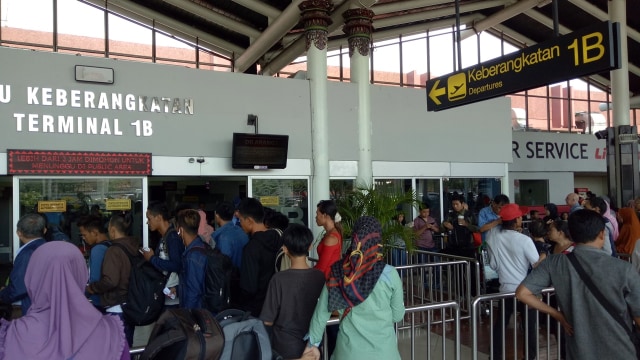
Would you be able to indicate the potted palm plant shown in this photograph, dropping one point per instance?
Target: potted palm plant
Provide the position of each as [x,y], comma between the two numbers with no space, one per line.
[383,203]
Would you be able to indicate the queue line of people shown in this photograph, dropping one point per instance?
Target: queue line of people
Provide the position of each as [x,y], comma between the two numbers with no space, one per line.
[294,303]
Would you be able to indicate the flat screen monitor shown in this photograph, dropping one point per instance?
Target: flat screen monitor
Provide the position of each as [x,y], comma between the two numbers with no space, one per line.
[259,151]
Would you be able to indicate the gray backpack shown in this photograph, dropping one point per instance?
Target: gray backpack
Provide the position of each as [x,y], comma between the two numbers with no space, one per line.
[245,337]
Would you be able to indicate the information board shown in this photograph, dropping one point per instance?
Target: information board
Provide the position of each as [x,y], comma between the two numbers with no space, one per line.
[588,51]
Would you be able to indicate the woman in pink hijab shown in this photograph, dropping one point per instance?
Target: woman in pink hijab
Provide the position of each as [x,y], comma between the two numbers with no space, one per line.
[61,323]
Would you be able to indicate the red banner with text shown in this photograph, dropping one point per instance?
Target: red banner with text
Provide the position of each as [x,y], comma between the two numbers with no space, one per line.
[42,162]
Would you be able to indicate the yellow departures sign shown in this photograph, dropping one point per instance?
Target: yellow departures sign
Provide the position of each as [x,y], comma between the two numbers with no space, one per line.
[584,52]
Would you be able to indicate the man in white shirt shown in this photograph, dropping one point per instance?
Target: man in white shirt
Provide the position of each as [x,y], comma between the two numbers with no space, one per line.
[512,254]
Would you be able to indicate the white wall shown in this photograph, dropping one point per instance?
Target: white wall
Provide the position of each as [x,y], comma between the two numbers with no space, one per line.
[596,183]
[402,129]
[560,184]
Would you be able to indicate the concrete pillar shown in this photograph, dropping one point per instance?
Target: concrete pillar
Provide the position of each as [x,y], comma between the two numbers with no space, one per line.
[316,19]
[358,27]
[620,77]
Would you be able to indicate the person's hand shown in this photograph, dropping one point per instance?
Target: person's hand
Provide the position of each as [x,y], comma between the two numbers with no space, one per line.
[462,223]
[565,324]
[447,225]
[311,353]
[147,253]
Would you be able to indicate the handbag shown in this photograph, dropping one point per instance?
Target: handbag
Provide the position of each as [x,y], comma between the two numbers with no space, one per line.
[632,332]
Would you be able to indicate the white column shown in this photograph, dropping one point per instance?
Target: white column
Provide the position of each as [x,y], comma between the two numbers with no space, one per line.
[620,77]
[505,183]
[315,16]
[358,26]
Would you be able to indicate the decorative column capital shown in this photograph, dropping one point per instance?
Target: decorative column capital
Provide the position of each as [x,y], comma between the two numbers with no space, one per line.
[316,20]
[358,25]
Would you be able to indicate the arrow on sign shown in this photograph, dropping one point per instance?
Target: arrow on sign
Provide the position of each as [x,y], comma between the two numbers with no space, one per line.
[435,92]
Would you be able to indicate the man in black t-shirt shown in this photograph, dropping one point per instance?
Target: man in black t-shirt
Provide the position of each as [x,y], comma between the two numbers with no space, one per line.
[292,295]
[258,256]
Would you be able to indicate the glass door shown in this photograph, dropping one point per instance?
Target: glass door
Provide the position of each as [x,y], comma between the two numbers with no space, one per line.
[64,200]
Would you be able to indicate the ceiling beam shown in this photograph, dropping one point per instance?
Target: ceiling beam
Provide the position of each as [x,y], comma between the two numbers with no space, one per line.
[602,15]
[502,15]
[406,5]
[215,17]
[432,14]
[269,37]
[260,7]
[154,19]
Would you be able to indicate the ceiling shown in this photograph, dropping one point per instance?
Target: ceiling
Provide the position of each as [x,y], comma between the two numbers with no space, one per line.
[269,32]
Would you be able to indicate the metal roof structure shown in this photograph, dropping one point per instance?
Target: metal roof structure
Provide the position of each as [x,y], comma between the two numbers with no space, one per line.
[270,33]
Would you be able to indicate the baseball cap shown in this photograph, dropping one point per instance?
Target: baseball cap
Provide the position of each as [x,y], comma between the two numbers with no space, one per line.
[512,211]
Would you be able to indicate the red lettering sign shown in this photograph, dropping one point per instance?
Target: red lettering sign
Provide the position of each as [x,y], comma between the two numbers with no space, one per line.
[40,162]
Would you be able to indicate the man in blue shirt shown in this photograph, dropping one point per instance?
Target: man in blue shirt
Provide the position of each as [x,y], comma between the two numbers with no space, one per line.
[488,217]
[194,261]
[31,229]
[230,239]
[168,255]
[573,200]
[94,232]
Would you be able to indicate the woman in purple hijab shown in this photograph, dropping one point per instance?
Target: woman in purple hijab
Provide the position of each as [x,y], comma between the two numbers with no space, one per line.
[61,323]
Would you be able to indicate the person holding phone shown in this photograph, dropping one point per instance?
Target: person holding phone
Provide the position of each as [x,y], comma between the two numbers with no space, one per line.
[425,226]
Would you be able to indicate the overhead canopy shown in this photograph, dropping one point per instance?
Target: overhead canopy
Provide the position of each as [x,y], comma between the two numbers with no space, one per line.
[267,32]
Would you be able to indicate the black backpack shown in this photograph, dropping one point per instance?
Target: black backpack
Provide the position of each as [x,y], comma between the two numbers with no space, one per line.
[245,337]
[145,299]
[217,279]
[185,334]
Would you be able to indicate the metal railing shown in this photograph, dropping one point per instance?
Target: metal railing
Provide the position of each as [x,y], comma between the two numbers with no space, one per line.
[492,308]
[430,277]
[413,330]
[448,331]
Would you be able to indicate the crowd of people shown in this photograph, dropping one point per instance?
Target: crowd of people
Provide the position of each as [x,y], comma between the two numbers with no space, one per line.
[70,307]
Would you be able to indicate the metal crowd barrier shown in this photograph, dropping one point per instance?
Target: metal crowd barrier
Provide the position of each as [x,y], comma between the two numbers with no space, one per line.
[414,331]
[418,334]
[430,277]
[487,309]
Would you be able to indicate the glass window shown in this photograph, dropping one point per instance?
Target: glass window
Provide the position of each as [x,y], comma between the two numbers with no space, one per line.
[386,62]
[80,26]
[469,49]
[65,200]
[288,196]
[441,60]
[128,39]
[20,23]
[531,192]
[339,188]
[429,194]
[175,52]
[414,60]
[477,192]
[397,186]
[538,110]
